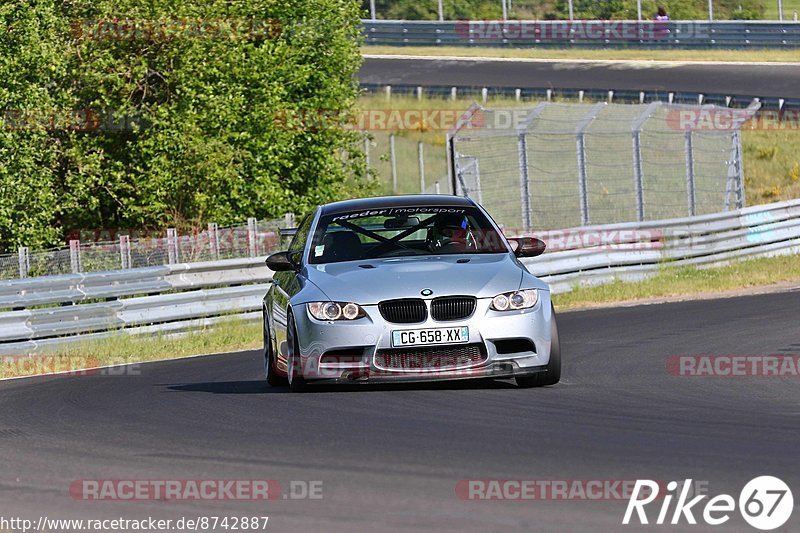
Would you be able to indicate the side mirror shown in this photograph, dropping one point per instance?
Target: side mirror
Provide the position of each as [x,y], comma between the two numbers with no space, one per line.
[280,262]
[527,246]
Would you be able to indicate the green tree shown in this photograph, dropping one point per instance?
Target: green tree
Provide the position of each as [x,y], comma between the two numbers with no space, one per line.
[208,138]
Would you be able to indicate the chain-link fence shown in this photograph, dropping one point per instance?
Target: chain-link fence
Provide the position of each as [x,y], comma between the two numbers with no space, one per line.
[562,165]
[85,254]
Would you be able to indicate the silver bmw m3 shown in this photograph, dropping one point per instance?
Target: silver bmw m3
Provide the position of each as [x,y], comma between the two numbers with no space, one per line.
[407,288]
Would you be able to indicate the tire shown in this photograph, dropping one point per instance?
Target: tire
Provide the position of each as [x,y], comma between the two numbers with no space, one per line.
[295,371]
[553,373]
[273,378]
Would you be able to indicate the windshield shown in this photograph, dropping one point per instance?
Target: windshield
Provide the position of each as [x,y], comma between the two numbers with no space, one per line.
[404,231]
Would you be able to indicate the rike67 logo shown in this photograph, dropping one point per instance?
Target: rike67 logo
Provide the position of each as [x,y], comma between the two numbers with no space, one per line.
[765,503]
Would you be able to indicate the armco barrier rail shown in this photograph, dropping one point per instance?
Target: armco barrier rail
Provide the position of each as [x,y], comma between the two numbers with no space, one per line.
[37,314]
[594,255]
[584,33]
[622,96]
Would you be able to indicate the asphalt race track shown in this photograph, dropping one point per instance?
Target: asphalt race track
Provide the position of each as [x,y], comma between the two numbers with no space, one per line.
[390,458]
[764,80]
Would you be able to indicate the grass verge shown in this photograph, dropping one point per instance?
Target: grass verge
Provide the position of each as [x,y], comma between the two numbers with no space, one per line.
[687,283]
[748,56]
[228,336]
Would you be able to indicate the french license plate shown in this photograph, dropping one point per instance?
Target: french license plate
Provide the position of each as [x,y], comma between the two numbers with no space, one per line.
[425,337]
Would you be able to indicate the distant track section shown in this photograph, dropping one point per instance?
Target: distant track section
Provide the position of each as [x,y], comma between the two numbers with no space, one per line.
[766,80]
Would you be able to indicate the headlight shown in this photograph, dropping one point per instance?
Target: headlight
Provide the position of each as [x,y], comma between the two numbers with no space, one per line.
[511,301]
[335,311]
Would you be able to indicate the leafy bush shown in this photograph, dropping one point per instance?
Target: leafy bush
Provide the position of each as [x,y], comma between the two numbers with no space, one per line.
[206,140]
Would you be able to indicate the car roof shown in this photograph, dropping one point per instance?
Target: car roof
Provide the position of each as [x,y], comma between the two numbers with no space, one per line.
[409,200]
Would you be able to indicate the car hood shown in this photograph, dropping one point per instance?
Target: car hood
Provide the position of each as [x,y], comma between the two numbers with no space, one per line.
[368,282]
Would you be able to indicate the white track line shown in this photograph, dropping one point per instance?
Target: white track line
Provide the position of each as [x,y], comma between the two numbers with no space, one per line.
[640,62]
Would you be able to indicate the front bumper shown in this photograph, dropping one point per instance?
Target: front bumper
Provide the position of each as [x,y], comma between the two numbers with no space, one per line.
[346,351]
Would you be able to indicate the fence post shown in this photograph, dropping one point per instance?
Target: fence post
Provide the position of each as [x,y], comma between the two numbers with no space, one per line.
[690,184]
[522,149]
[420,149]
[394,163]
[372,9]
[740,197]
[638,173]
[172,246]
[252,233]
[580,143]
[366,152]
[75,256]
[24,261]
[289,220]
[125,251]
[734,185]
[213,239]
[437,188]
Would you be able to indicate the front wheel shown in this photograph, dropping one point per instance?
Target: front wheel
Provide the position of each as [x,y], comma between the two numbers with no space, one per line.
[295,371]
[273,378]
[552,375]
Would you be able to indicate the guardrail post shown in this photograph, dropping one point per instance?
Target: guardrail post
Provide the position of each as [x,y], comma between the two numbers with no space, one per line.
[437,188]
[213,239]
[453,93]
[125,251]
[288,220]
[172,246]
[75,256]
[419,92]
[388,90]
[690,184]
[24,261]
[420,150]
[485,95]
[252,231]
[522,149]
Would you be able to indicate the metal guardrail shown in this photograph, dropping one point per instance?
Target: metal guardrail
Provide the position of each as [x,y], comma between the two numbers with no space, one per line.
[633,251]
[584,33]
[553,94]
[41,312]
[38,314]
